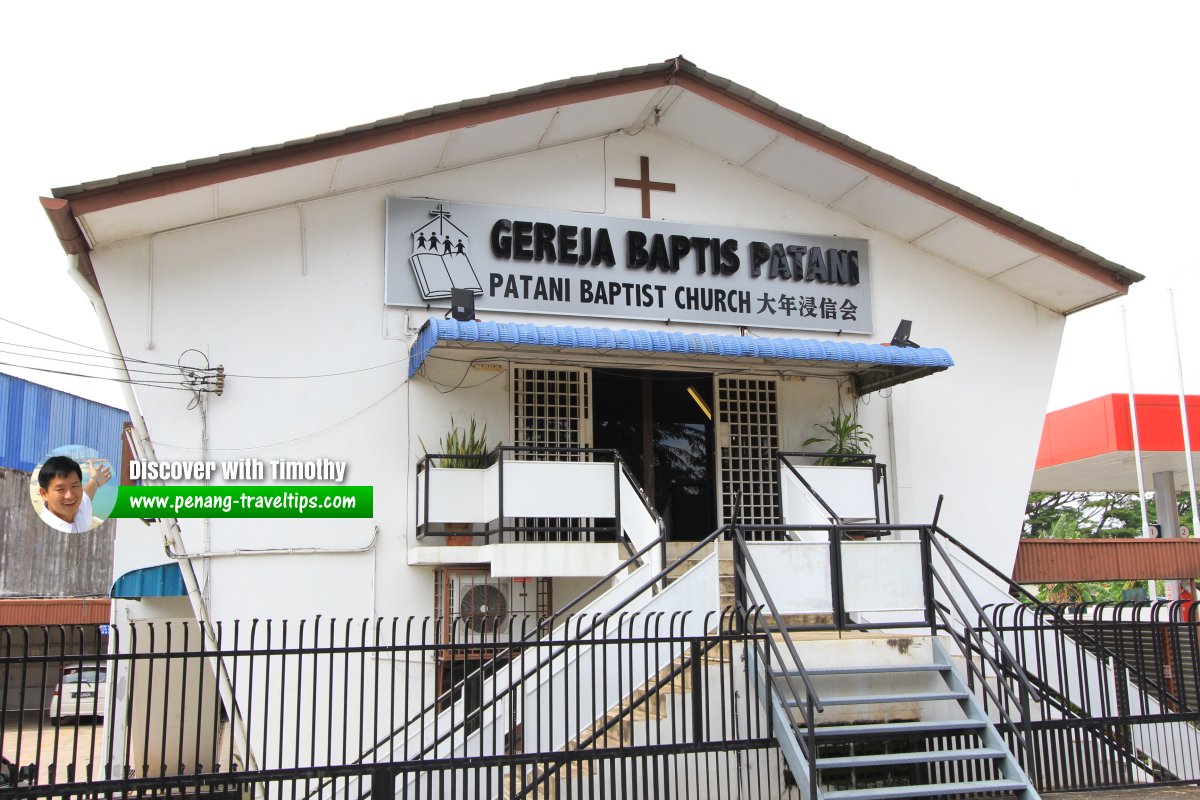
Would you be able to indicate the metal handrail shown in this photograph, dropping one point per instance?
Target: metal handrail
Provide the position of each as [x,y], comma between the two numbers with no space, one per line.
[1055,612]
[597,621]
[812,699]
[792,468]
[507,647]
[1008,656]
[878,472]
[548,623]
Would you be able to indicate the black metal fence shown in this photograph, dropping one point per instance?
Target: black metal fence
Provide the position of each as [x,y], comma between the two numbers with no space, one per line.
[1118,685]
[649,705]
[652,705]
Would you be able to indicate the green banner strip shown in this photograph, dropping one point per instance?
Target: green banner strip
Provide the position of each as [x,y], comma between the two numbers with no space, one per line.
[227,502]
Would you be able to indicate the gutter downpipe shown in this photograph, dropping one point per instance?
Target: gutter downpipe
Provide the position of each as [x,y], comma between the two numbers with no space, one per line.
[170,528]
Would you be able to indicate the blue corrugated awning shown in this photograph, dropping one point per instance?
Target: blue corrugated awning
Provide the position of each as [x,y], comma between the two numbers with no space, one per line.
[871,366]
[165,580]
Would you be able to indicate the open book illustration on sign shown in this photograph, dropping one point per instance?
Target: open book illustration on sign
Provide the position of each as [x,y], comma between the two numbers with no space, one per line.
[440,258]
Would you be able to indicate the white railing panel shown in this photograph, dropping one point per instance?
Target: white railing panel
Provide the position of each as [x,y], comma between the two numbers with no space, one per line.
[688,607]
[882,576]
[455,495]
[640,525]
[559,489]
[797,575]
[848,490]
[801,508]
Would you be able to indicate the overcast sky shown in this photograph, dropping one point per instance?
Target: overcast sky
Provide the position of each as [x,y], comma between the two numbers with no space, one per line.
[1079,116]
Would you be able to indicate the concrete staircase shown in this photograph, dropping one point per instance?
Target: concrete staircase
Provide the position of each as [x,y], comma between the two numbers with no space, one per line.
[631,722]
[676,550]
[899,722]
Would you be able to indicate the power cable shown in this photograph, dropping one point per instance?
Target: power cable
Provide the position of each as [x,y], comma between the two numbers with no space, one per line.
[86,346]
[85,364]
[339,423]
[104,353]
[148,384]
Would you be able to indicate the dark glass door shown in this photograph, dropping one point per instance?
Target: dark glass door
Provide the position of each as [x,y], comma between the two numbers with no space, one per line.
[661,424]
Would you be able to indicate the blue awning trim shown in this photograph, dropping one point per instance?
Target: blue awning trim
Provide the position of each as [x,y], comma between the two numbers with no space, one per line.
[165,580]
[904,363]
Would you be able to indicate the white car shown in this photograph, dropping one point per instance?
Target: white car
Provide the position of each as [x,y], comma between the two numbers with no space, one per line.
[82,692]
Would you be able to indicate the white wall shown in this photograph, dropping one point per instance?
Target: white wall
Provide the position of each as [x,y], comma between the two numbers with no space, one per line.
[263,294]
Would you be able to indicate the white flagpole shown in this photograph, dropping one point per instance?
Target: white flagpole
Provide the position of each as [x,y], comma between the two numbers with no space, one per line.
[1183,415]
[1137,447]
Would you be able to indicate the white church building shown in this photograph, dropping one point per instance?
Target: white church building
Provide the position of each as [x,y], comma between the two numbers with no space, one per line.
[645,285]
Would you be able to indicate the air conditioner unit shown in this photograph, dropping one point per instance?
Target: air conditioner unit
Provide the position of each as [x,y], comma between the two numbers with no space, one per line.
[487,609]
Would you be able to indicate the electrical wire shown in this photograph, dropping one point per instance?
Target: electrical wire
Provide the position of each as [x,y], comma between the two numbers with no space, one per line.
[337,424]
[85,363]
[103,354]
[148,384]
[100,353]
[86,346]
[444,388]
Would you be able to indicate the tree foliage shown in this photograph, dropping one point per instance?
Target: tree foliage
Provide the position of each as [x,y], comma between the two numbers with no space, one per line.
[1084,515]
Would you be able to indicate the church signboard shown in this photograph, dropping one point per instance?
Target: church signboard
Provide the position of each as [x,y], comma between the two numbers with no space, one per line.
[540,261]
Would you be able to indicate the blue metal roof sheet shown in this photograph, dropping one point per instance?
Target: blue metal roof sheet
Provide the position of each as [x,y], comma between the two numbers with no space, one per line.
[35,419]
[889,365]
[165,580]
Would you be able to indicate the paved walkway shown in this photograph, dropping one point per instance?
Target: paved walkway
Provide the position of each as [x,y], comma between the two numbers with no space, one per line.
[60,746]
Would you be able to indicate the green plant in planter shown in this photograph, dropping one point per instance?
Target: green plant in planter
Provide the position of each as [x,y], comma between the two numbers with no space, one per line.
[844,435]
[464,443]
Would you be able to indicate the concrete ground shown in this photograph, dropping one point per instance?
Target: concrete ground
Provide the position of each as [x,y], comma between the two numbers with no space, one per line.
[58,746]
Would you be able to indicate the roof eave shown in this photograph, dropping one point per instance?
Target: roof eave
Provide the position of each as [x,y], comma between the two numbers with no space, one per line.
[160,181]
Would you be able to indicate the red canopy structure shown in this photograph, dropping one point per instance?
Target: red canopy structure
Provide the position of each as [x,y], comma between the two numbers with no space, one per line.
[1090,447]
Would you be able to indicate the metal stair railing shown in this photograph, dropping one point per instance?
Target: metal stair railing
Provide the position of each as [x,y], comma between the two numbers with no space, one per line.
[971,639]
[878,476]
[597,623]
[640,696]
[1060,623]
[1007,667]
[503,649]
[809,705]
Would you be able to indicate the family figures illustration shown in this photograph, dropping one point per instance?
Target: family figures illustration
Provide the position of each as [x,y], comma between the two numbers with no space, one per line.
[446,246]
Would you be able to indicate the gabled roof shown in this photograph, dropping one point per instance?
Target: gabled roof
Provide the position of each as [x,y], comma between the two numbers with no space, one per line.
[677,97]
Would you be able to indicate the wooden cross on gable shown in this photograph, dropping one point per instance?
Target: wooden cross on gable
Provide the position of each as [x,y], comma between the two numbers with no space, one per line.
[645,185]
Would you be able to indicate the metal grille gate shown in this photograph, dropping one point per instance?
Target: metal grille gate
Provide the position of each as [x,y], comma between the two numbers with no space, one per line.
[552,415]
[747,440]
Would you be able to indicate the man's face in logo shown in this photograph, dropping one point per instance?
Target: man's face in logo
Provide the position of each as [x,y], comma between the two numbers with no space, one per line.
[62,496]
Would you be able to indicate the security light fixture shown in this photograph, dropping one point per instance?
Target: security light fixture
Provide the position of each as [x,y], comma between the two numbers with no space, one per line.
[462,305]
[900,337]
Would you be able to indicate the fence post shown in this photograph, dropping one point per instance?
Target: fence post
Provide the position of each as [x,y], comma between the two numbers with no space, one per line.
[383,783]
[836,585]
[926,535]
[697,696]
[1032,768]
